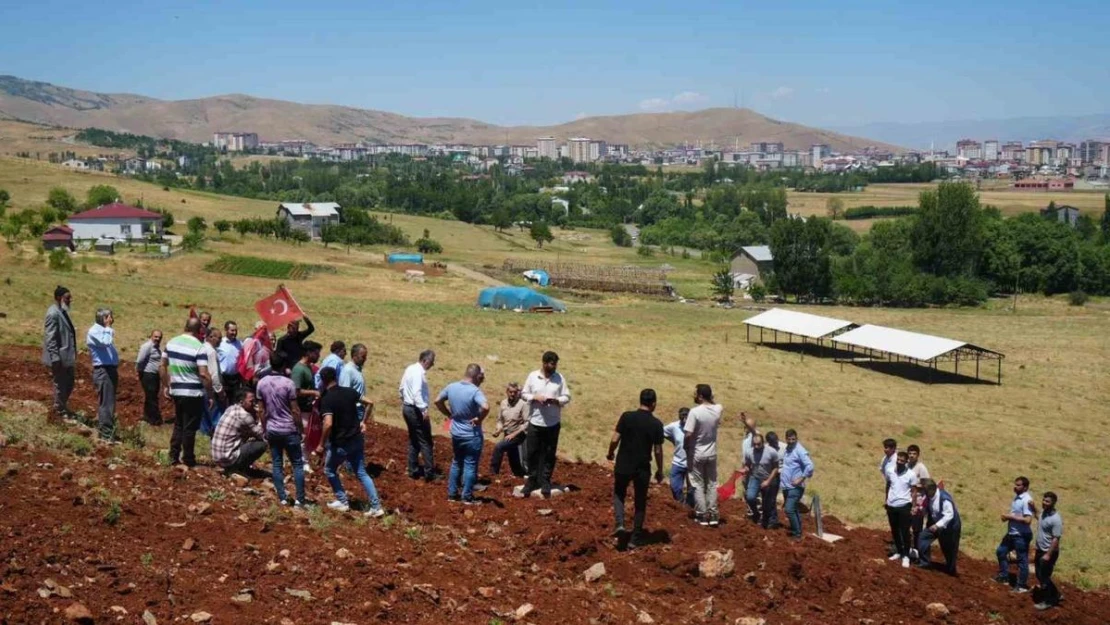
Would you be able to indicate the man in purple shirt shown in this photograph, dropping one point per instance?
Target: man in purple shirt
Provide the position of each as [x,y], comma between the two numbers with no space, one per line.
[277,394]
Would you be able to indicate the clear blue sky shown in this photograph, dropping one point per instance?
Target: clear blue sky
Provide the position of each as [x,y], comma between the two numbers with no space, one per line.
[527,62]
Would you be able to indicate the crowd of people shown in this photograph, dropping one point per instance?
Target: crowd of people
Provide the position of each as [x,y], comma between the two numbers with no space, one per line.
[275,394]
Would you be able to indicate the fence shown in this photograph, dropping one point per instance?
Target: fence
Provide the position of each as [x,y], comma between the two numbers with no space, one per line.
[597,277]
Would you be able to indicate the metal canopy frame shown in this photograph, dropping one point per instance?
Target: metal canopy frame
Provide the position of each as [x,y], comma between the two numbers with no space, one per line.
[967,352]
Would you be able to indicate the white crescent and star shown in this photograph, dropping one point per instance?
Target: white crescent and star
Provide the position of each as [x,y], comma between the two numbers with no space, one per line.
[284,307]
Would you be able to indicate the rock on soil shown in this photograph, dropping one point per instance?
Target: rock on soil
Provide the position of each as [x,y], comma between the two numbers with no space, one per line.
[148,618]
[750,620]
[201,617]
[644,617]
[78,613]
[716,564]
[595,572]
[524,611]
[937,610]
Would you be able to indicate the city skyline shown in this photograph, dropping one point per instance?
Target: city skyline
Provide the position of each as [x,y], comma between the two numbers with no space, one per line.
[510,64]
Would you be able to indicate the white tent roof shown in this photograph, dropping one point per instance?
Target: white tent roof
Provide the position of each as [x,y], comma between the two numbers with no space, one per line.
[901,342]
[314,209]
[800,323]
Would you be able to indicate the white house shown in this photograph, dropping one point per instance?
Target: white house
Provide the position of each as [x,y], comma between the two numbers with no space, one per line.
[310,218]
[115,221]
[74,163]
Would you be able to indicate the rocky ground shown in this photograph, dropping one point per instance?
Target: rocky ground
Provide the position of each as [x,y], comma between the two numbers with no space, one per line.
[114,536]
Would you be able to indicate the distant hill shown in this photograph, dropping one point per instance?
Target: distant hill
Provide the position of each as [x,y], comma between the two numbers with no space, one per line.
[196,120]
[944,135]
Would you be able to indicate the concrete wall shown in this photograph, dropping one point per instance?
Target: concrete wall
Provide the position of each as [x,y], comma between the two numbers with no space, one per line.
[131,228]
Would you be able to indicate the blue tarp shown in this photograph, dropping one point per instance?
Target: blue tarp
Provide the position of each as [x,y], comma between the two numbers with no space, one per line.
[539,276]
[415,259]
[517,298]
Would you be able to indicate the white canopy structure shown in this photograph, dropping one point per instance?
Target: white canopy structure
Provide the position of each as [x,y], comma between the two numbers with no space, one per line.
[799,323]
[892,344]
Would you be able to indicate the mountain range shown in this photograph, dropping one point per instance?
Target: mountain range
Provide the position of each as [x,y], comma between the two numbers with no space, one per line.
[944,135]
[196,120]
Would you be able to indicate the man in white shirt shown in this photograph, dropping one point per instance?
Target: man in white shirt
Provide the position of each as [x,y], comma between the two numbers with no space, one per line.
[673,432]
[899,502]
[546,392]
[414,408]
[216,402]
[943,519]
[701,454]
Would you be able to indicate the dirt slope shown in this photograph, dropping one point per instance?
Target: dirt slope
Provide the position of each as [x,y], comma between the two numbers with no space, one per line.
[432,562]
[196,120]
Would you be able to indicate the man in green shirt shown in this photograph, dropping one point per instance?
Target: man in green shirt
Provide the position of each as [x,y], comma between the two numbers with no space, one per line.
[304,380]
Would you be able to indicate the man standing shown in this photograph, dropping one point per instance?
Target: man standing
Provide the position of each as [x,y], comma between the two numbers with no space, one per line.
[239,439]
[229,350]
[344,437]
[546,392]
[512,423]
[147,365]
[351,376]
[762,465]
[292,343]
[59,350]
[1019,533]
[701,454]
[890,448]
[186,381]
[283,431]
[414,409]
[467,407]
[216,399]
[638,434]
[101,341]
[900,494]
[1051,530]
[921,501]
[304,380]
[673,432]
[943,526]
[797,467]
[336,358]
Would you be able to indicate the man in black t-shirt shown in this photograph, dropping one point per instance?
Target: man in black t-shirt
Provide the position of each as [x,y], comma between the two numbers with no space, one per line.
[638,434]
[343,436]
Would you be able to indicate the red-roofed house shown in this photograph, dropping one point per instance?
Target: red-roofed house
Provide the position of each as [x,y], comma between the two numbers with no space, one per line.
[115,221]
[58,236]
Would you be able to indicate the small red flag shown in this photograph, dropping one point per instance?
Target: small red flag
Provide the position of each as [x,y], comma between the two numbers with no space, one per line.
[193,312]
[278,309]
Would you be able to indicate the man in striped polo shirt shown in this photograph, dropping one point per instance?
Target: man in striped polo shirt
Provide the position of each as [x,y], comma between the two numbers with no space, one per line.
[186,381]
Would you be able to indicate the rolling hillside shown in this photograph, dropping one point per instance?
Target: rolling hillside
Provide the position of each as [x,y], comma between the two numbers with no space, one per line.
[196,120]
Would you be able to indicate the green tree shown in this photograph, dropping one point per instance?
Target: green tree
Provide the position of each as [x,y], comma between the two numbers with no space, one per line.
[60,260]
[834,206]
[192,241]
[243,226]
[222,225]
[948,234]
[803,263]
[722,285]
[101,194]
[62,201]
[541,233]
[500,218]
[196,225]
[1105,224]
[620,236]
[5,197]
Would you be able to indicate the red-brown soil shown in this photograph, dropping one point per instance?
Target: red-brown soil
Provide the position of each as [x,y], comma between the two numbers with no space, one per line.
[434,562]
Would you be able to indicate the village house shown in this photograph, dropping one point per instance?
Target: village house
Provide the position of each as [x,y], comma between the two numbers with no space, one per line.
[309,218]
[115,221]
[58,237]
[753,263]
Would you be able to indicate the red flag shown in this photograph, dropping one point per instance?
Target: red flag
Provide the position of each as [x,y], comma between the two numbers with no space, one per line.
[278,309]
[247,357]
[193,312]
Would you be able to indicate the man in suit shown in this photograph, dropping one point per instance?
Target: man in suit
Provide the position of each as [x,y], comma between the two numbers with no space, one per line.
[59,351]
[943,525]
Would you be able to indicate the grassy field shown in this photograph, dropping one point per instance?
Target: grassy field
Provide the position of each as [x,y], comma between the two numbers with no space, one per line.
[1048,420]
[18,137]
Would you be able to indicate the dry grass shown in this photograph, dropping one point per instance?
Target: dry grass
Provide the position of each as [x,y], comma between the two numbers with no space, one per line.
[24,137]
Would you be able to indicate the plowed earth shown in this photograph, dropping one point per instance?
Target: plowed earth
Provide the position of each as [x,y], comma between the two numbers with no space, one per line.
[430,561]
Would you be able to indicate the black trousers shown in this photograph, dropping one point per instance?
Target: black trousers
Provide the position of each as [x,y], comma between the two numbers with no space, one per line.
[507,447]
[1049,593]
[542,443]
[640,481]
[231,382]
[248,453]
[420,442]
[917,523]
[187,415]
[949,539]
[152,413]
[899,518]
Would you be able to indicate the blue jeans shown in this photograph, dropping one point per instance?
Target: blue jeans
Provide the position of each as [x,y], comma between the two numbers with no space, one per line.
[464,466]
[678,485]
[762,497]
[793,496]
[291,445]
[211,417]
[1018,543]
[350,451]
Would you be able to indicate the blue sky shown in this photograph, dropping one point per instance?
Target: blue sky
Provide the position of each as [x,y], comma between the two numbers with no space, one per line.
[526,62]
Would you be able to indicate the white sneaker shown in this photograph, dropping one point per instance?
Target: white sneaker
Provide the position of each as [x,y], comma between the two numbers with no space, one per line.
[374,513]
[339,505]
[308,470]
[905,563]
[895,557]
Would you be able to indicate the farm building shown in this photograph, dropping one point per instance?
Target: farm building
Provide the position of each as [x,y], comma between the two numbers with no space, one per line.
[310,218]
[1064,214]
[753,263]
[58,236]
[115,221]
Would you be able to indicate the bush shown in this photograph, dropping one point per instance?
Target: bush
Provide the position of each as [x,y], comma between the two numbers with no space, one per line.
[192,241]
[1078,298]
[620,236]
[429,246]
[869,212]
[646,251]
[60,260]
[757,292]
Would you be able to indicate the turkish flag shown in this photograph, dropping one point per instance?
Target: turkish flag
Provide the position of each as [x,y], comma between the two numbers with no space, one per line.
[278,309]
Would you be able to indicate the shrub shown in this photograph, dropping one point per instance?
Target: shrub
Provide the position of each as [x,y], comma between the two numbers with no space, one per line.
[723,285]
[620,236]
[869,212]
[192,241]
[757,292]
[1078,297]
[646,251]
[429,246]
[60,260]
